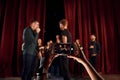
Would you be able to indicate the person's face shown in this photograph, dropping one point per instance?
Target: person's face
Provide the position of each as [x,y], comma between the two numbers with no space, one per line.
[61,26]
[92,37]
[35,25]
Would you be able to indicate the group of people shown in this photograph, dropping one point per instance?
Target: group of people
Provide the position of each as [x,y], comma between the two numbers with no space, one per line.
[33,50]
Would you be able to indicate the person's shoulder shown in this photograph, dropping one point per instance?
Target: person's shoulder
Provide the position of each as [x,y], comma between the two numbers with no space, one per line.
[27,28]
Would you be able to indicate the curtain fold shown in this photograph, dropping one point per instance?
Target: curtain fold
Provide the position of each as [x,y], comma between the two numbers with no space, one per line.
[17,15]
[99,17]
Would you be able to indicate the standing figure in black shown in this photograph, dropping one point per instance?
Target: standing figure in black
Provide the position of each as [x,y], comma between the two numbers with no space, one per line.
[94,49]
[30,35]
[63,24]
[64,63]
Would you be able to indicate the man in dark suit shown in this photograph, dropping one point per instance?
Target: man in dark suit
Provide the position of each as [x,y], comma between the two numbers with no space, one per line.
[30,35]
[94,49]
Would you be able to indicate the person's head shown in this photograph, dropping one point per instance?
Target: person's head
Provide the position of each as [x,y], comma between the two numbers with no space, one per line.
[39,42]
[48,43]
[51,41]
[92,37]
[57,36]
[64,39]
[63,24]
[34,24]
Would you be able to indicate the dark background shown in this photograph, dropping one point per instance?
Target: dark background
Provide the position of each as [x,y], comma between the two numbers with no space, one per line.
[54,13]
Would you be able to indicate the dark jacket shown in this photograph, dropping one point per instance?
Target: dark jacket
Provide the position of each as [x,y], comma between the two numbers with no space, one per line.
[30,41]
[96,47]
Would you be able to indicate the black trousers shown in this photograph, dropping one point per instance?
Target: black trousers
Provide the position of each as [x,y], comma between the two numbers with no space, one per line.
[28,66]
[78,69]
[93,60]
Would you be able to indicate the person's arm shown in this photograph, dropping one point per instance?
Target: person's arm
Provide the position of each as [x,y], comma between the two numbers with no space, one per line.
[94,75]
[83,60]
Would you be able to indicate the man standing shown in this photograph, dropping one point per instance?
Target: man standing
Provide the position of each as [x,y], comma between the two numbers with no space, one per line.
[30,35]
[94,49]
[64,30]
[63,60]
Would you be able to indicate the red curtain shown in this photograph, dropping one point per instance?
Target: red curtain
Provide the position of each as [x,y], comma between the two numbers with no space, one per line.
[15,15]
[99,17]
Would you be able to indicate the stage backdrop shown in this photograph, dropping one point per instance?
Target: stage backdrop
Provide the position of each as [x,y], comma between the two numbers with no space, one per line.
[15,15]
[99,17]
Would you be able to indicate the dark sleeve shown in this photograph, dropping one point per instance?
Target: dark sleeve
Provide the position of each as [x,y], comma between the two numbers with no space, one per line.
[29,37]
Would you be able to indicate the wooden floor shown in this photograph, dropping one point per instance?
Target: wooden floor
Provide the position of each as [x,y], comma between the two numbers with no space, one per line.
[106,77]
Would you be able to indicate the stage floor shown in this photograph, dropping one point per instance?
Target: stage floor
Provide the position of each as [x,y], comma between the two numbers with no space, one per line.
[106,77]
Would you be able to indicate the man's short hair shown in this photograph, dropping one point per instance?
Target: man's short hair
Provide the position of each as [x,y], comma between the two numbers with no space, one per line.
[32,21]
[63,22]
[92,35]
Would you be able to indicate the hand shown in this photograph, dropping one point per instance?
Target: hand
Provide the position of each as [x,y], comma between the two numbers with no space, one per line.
[91,47]
[41,48]
[94,54]
[38,30]
[81,48]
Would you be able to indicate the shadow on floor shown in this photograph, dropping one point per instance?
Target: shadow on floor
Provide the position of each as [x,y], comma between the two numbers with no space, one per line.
[106,77]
